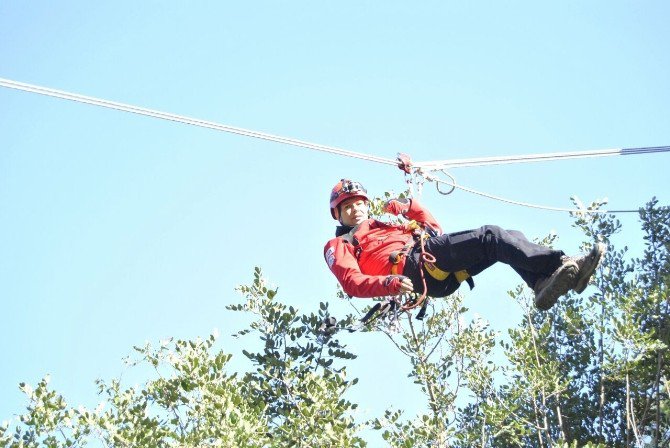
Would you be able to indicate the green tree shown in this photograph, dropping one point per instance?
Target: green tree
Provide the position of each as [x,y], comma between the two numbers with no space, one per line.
[294,397]
[296,372]
[592,372]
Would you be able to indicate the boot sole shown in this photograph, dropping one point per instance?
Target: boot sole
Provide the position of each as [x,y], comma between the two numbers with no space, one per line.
[584,277]
[559,286]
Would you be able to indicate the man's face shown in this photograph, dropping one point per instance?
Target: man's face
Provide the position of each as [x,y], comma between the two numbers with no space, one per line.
[353,211]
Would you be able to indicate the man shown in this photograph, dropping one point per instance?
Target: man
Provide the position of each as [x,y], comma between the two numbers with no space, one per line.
[371,258]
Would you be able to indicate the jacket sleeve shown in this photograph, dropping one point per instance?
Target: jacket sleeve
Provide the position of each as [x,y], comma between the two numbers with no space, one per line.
[421,214]
[342,262]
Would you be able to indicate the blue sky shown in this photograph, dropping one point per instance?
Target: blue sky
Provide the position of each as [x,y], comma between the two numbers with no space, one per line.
[117,229]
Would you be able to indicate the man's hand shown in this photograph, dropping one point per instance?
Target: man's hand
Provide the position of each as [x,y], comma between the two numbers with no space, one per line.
[406,285]
[398,206]
[398,284]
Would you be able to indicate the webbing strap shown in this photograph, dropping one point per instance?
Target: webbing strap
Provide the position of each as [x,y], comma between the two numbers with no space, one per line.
[440,275]
[380,309]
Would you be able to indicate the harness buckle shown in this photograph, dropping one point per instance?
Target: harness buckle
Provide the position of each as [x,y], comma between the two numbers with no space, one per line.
[395,258]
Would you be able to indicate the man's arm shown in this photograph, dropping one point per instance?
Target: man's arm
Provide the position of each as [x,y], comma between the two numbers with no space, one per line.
[412,209]
[343,263]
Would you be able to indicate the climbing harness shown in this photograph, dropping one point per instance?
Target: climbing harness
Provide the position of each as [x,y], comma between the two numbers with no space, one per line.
[393,306]
[426,262]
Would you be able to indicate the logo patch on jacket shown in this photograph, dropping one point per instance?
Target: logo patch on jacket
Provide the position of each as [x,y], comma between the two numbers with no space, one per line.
[330,257]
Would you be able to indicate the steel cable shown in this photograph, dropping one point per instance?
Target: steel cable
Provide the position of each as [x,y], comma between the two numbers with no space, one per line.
[188,120]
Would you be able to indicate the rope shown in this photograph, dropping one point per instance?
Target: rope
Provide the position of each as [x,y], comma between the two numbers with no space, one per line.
[453,184]
[423,259]
[500,160]
[188,120]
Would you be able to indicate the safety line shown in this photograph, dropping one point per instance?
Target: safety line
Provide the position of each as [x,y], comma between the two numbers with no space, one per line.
[499,160]
[524,204]
[188,120]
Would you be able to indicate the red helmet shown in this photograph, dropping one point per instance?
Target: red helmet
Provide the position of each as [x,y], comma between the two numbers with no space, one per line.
[344,190]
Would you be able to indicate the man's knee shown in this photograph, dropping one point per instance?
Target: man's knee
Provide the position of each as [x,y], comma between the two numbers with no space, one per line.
[493,230]
[492,237]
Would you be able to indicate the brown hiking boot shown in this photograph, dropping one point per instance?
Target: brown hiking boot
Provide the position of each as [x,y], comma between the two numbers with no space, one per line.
[549,289]
[587,265]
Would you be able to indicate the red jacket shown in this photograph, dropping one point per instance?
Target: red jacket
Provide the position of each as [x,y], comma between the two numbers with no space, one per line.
[360,258]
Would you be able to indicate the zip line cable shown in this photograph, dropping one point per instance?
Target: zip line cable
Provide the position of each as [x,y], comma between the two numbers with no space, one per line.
[188,120]
[422,169]
[500,160]
[430,166]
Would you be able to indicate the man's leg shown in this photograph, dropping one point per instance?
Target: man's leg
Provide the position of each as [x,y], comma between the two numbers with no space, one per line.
[531,278]
[548,272]
[463,250]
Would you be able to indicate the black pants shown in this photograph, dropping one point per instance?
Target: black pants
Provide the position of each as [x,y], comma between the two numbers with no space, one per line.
[478,249]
